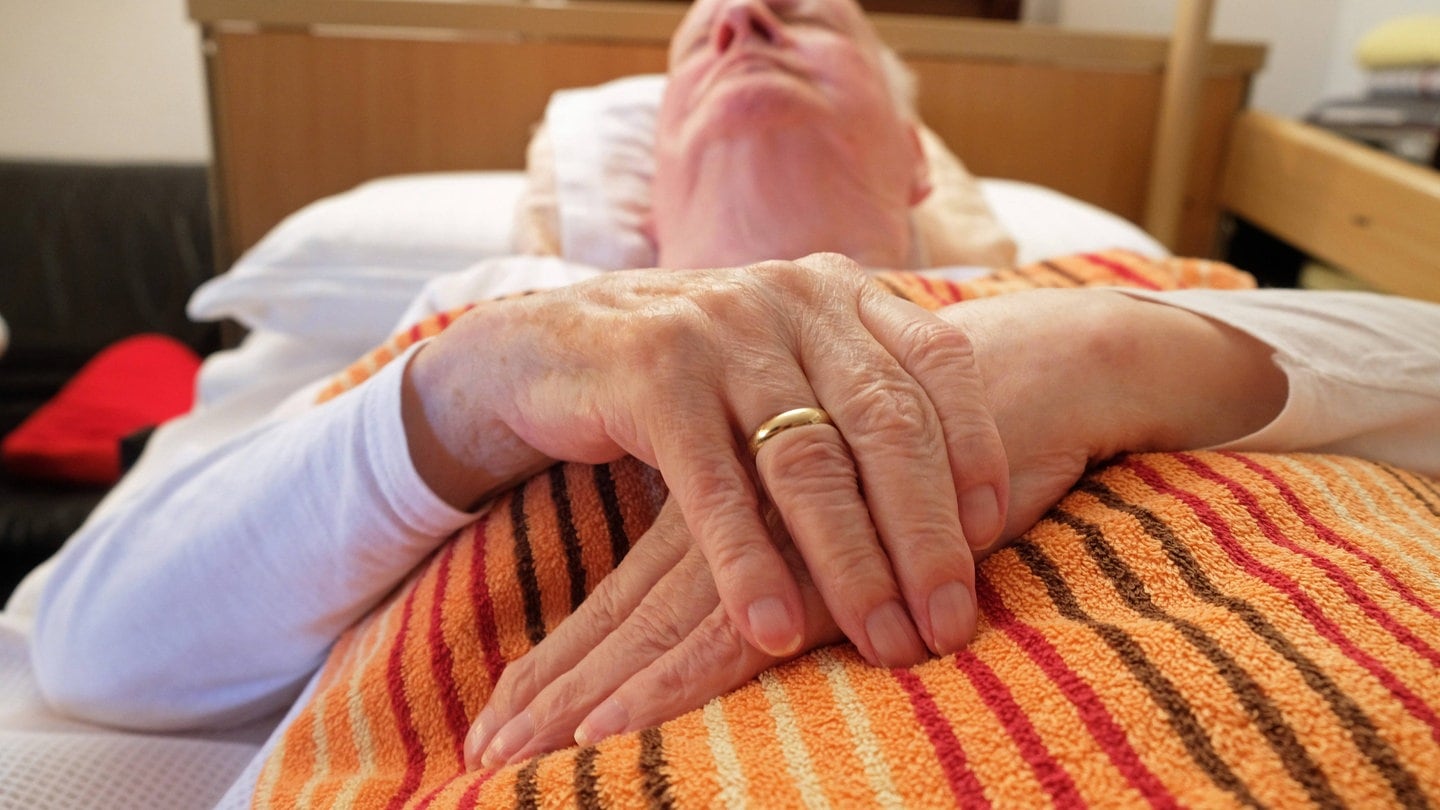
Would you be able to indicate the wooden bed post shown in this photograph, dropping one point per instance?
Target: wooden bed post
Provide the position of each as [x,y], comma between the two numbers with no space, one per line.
[1175,131]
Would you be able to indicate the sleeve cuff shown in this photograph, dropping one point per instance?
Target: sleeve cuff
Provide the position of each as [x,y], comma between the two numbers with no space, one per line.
[389,456]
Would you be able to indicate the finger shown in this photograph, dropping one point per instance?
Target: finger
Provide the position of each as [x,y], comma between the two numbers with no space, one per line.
[703,466]
[942,359]
[807,471]
[606,608]
[667,615]
[712,660]
[812,481]
[912,570]
[897,438]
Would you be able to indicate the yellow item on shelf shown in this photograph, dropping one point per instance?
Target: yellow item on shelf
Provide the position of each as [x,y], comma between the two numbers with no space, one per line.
[1401,42]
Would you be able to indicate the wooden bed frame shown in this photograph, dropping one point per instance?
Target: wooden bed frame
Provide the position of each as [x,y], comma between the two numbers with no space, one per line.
[310,97]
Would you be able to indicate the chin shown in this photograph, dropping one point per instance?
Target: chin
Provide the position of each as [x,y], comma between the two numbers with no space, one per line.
[753,101]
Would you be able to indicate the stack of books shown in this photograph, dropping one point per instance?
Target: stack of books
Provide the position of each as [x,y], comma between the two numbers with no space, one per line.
[1400,111]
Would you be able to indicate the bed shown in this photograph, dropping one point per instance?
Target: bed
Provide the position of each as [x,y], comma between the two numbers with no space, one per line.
[1168,149]
[320,109]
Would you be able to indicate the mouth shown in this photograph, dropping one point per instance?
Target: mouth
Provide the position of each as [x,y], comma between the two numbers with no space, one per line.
[746,63]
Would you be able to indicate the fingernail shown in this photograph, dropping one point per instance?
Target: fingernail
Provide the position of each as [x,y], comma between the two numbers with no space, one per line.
[980,516]
[891,636]
[609,718]
[479,737]
[775,632]
[952,617]
[508,740]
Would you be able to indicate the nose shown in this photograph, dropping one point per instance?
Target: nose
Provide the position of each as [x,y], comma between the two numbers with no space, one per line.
[740,20]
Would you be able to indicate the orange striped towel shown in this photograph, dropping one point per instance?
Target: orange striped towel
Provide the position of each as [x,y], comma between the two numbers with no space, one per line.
[1189,629]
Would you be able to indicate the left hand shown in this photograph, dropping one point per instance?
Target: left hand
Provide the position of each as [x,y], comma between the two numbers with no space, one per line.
[651,642]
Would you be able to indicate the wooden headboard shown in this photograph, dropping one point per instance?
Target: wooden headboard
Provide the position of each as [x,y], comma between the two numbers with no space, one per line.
[309,98]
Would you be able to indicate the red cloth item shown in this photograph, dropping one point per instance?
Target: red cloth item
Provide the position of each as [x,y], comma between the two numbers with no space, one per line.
[135,383]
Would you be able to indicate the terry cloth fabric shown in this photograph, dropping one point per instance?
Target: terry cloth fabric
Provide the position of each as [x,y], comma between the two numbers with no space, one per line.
[1188,629]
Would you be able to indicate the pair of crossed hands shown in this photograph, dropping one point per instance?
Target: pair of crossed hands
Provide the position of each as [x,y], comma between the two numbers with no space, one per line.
[952,433]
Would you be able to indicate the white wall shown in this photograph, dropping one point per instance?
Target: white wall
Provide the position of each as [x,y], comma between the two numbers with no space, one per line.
[101,80]
[1311,42]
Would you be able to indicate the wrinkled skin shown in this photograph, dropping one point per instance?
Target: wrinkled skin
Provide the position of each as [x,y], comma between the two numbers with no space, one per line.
[677,368]
[1071,377]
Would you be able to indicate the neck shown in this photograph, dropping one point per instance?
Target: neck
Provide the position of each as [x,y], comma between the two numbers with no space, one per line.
[797,205]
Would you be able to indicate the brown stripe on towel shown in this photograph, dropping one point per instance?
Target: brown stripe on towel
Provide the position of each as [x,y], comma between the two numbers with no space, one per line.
[1096,716]
[1070,279]
[527,791]
[569,537]
[1358,594]
[1367,736]
[525,570]
[614,521]
[1167,696]
[652,769]
[1268,718]
[587,785]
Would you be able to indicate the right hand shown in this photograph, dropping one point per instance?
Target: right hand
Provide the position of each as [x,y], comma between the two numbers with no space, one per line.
[677,368]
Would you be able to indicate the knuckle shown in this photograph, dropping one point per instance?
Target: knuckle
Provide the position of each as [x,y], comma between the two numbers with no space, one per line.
[886,412]
[832,262]
[858,570]
[719,507]
[810,282]
[655,628]
[667,342]
[715,661]
[556,707]
[940,346]
[815,462]
[605,606]
[518,683]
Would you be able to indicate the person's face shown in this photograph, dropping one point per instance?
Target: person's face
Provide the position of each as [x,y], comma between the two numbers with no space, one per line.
[738,65]
[742,65]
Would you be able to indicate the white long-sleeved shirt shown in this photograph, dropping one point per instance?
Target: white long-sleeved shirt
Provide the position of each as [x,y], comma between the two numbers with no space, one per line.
[208,592]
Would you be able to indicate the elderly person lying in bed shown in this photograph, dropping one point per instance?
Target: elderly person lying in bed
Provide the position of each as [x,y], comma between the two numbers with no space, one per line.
[895,445]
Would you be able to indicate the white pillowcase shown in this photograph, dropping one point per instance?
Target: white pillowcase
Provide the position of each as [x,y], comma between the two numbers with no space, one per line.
[354,260]
[343,269]
[592,160]
[1046,223]
[601,139]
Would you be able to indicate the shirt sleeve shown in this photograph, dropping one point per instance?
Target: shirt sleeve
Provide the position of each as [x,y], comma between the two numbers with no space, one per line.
[1363,370]
[290,533]
[212,581]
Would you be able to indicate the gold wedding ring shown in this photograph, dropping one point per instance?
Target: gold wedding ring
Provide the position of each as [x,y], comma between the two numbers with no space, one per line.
[795,417]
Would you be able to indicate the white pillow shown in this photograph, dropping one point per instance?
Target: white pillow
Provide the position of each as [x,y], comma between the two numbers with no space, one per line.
[1046,223]
[343,269]
[354,260]
[591,164]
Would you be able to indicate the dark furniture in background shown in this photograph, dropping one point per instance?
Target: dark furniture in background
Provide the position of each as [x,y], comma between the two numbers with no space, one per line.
[990,9]
[89,254]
